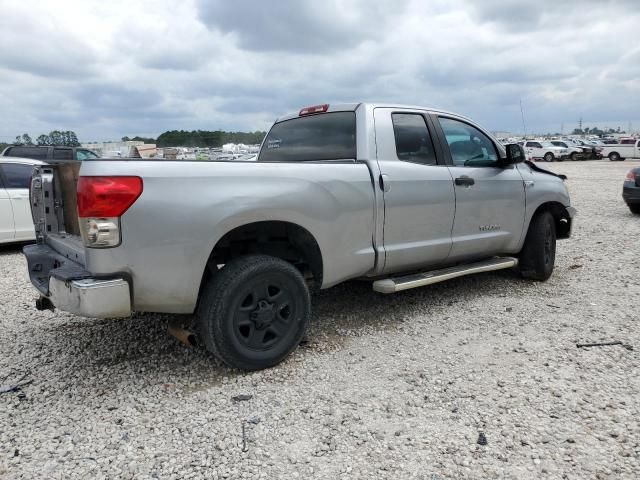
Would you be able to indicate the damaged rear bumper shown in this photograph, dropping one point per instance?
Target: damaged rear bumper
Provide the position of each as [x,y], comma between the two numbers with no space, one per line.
[69,287]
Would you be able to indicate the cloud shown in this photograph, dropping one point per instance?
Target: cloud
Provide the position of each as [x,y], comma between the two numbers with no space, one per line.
[299,26]
[108,69]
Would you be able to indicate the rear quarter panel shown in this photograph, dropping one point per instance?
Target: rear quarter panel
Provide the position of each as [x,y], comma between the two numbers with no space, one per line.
[186,207]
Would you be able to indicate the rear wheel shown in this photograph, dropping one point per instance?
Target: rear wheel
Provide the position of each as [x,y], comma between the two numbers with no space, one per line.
[538,255]
[614,156]
[254,312]
[634,207]
[548,157]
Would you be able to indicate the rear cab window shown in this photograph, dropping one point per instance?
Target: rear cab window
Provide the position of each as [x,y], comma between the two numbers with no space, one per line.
[413,141]
[63,154]
[16,175]
[325,136]
[37,153]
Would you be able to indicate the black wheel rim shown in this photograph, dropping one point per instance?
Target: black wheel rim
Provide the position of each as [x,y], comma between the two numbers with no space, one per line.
[264,314]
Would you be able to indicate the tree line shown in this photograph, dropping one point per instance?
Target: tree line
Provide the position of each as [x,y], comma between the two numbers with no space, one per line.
[595,131]
[65,138]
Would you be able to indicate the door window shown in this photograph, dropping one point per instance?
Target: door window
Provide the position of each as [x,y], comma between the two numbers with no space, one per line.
[413,142]
[17,175]
[85,155]
[469,147]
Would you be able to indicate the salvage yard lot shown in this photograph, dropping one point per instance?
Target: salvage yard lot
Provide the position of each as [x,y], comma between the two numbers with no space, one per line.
[386,387]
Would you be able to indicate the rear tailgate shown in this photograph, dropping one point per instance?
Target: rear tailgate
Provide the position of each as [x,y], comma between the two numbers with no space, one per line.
[57,262]
[54,208]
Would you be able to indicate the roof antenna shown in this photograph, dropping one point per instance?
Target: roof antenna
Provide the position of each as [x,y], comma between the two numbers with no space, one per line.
[524,127]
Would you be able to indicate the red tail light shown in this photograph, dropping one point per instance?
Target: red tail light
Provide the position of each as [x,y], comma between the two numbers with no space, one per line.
[631,176]
[106,196]
[314,109]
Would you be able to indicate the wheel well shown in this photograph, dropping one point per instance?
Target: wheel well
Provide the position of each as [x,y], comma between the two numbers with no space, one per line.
[284,240]
[560,215]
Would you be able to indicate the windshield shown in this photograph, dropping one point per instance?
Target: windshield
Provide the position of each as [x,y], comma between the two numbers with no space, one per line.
[327,136]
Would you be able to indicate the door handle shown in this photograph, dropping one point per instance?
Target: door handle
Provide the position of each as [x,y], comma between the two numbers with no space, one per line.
[385,185]
[464,180]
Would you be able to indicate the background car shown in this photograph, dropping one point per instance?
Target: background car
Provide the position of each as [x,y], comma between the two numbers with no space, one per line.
[575,153]
[541,149]
[16,223]
[49,153]
[631,190]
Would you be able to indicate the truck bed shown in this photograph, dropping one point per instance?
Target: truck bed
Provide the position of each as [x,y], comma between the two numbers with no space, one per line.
[187,207]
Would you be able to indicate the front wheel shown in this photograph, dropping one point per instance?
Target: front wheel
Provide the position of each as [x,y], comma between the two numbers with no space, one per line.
[548,157]
[614,156]
[254,312]
[538,255]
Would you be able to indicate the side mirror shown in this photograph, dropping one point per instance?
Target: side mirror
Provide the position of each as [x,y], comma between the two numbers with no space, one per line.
[515,154]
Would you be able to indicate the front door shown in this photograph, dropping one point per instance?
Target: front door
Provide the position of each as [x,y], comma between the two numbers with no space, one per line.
[490,199]
[419,202]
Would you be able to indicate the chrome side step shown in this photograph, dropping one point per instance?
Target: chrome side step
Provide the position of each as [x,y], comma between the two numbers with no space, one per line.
[396,284]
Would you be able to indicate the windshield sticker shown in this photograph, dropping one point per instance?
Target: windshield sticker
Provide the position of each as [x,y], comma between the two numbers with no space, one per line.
[275,143]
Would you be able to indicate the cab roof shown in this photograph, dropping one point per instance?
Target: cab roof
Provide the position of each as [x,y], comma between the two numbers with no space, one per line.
[351,107]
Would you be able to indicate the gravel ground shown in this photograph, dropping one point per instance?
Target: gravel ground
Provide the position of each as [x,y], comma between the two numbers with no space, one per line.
[387,386]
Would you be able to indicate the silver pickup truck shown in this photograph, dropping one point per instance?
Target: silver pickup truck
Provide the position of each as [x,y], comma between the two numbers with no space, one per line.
[403,196]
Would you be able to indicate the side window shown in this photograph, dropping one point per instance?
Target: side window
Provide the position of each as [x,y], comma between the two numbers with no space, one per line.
[413,142]
[535,145]
[469,147]
[85,155]
[62,154]
[17,175]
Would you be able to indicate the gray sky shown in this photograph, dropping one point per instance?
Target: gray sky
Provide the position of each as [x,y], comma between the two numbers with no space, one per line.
[111,68]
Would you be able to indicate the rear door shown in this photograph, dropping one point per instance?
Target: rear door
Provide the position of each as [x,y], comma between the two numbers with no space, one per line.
[7,228]
[490,199]
[419,201]
[17,178]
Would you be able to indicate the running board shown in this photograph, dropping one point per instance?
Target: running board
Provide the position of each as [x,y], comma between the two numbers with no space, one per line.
[396,284]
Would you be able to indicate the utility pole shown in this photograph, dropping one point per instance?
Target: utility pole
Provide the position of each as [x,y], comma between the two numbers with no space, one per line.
[580,124]
[524,127]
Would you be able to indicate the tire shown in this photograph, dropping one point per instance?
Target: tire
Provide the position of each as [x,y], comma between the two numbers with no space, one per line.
[634,207]
[254,312]
[614,156]
[548,157]
[573,156]
[538,255]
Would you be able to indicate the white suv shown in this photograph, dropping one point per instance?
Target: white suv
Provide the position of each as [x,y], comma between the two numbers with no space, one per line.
[540,149]
[16,224]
